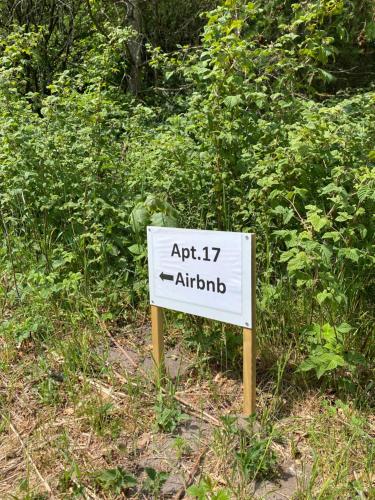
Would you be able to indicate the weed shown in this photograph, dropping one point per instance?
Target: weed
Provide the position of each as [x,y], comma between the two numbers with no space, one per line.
[34,496]
[247,453]
[256,459]
[134,386]
[181,446]
[70,480]
[268,128]
[78,354]
[154,481]
[114,480]
[102,417]
[20,329]
[48,390]
[3,424]
[206,490]
[168,413]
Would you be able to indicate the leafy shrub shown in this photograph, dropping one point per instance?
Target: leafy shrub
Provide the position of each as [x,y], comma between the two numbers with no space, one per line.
[259,136]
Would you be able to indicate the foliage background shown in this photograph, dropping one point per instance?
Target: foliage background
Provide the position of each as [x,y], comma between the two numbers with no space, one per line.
[256,116]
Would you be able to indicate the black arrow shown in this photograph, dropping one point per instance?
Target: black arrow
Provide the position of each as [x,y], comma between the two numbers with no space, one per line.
[168,277]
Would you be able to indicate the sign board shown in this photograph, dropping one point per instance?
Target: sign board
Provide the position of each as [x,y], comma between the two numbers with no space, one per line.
[207,273]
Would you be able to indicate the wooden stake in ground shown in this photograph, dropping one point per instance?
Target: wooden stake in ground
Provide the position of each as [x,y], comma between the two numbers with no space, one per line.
[157,336]
[249,378]
[249,347]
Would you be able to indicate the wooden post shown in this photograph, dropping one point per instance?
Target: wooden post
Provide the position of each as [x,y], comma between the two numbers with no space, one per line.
[249,347]
[157,336]
[249,380]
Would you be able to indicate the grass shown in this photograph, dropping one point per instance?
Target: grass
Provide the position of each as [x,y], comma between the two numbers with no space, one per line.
[73,422]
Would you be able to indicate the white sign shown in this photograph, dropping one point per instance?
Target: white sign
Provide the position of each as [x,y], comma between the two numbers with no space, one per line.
[207,273]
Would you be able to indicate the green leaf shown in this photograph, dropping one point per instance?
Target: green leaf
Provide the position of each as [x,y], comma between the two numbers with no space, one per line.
[300,261]
[355,358]
[327,332]
[344,328]
[330,362]
[331,235]
[317,221]
[343,217]
[151,472]
[163,220]
[306,365]
[285,256]
[153,203]
[139,218]
[221,495]
[198,491]
[365,192]
[136,249]
[370,37]
[323,296]
[232,100]
[285,212]
[327,76]
[350,253]
[115,480]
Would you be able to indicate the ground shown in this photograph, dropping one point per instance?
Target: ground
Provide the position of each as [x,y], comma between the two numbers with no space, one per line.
[84,415]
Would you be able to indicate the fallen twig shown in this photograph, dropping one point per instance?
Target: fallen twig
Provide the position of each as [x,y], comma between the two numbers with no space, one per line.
[203,414]
[181,492]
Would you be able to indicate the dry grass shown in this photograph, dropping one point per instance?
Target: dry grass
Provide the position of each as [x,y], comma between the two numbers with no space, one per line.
[64,418]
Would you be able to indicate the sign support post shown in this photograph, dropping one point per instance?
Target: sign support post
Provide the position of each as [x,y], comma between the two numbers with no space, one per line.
[157,335]
[249,381]
[249,347]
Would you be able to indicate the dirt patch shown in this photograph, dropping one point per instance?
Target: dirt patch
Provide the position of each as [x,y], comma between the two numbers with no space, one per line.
[293,477]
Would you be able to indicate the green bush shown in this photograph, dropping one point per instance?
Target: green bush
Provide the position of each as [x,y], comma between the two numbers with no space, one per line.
[259,136]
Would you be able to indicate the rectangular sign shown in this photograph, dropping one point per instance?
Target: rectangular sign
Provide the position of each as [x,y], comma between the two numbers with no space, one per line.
[207,273]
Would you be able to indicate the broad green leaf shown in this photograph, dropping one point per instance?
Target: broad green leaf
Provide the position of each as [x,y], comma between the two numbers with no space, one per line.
[306,365]
[323,296]
[136,249]
[344,328]
[139,218]
[300,261]
[350,253]
[285,256]
[317,221]
[233,100]
[163,220]
[343,217]
[331,235]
